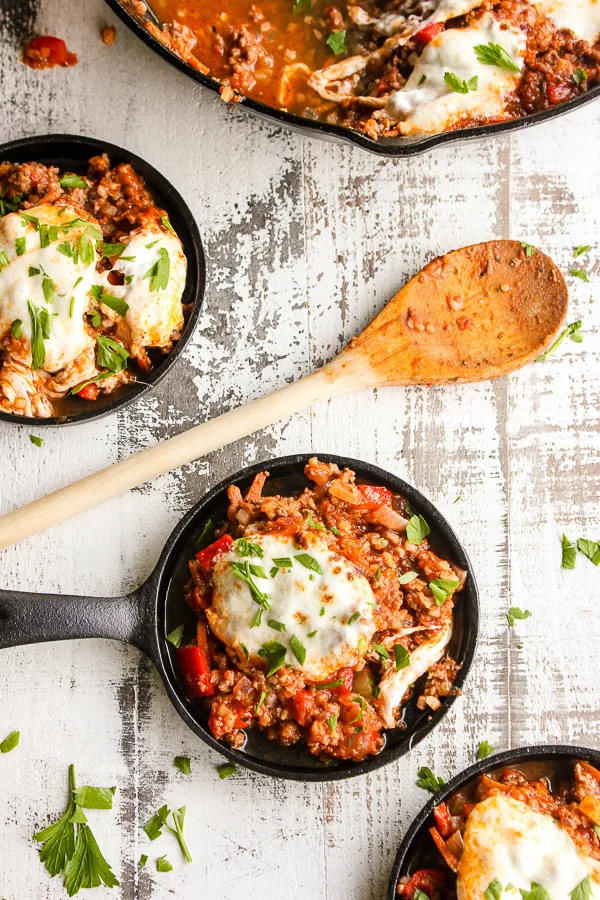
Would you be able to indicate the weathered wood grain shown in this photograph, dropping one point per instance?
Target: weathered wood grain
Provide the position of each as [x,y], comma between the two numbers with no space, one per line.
[305,242]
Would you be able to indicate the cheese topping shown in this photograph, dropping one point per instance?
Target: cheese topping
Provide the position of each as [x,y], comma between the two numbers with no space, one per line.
[152,315]
[507,840]
[296,596]
[67,282]
[582,17]
[442,11]
[426,104]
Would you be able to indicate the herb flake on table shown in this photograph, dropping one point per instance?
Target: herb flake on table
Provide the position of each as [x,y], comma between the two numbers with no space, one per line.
[495,55]
[515,613]
[183,763]
[417,530]
[581,249]
[143,861]
[163,864]
[572,331]
[591,549]
[10,742]
[178,823]
[155,825]
[428,781]
[38,441]
[226,770]
[569,553]
[484,750]
[581,274]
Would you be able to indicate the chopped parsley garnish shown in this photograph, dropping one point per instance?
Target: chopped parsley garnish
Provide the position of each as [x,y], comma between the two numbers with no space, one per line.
[110,250]
[151,244]
[100,377]
[40,331]
[332,722]
[298,649]
[362,703]
[311,634]
[167,224]
[428,781]
[375,690]
[70,847]
[422,80]
[32,220]
[322,611]
[244,650]
[3,260]
[573,331]
[96,318]
[244,573]
[155,825]
[581,249]
[244,547]
[337,42]
[381,651]
[10,742]
[495,55]
[309,562]
[401,657]
[163,864]
[583,891]
[73,181]
[206,535]
[579,75]
[515,613]
[159,273]
[417,530]
[85,248]
[330,684]
[354,617]
[302,6]
[273,623]
[143,860]
[335,531]
[177,830]
[590,549]
[7,206]
[537,892]
[494,889]
[111,355]
[183,763]
[38,441]
[274,653]
[442,588]
[115,303]
[20,246]
[407,577]
[318,526]
[48,289]
[174,637]
[529,250]
[283,562]
[569,553]
[256,618]
[68,250]
[16,328]
[459,85]
[484,750]
[227,770]
[261,700]
[33,271]
[581,274]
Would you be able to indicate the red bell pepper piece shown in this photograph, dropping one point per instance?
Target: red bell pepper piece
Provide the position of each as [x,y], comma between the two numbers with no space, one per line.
[429,32]
[89,392]
[195,671]
[207,557]
[345,676]
[374,497]
[427,880]
[444,820]
[302,705]
[558,91]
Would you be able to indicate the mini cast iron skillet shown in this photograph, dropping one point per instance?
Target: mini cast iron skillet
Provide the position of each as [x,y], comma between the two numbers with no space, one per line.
[417,850]
[397,147]
[71,152]
[144,617]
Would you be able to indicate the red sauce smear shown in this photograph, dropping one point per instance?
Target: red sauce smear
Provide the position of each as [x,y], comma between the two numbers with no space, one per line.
[45,52]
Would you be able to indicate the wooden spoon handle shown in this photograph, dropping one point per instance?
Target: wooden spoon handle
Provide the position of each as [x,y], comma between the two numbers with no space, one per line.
[174,452]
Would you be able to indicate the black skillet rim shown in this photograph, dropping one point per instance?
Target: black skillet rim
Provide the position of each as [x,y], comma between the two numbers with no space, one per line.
[49,146]
[497,760]
[337,133]
[439,526]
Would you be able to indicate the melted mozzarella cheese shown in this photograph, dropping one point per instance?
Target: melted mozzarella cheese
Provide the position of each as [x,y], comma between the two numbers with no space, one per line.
[68,337]
[507,840]
[152,315]
[394,684]
[440,11]
[296,596]
[582,17]
[427,105]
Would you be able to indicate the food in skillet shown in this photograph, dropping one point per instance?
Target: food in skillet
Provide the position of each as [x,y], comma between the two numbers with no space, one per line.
[318,614]
[403,67]
[532,834]
[91,279]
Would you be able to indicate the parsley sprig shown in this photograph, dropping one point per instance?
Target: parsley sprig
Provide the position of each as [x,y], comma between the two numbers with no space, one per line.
[160,272]
[428,781]
[495,55]
[459,85]
[572,331]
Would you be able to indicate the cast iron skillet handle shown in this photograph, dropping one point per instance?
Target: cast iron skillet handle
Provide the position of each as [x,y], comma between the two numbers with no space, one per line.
[27,618]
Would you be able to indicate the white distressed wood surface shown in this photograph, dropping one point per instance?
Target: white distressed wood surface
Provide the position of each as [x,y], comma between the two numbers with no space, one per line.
[305,241]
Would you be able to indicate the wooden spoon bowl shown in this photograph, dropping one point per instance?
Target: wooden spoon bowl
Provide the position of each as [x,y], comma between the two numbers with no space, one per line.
[473,314]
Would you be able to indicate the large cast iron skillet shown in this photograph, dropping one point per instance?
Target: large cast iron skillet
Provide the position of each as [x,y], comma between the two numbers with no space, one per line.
[144,617]
[72,152]
[417,850]
[395,147]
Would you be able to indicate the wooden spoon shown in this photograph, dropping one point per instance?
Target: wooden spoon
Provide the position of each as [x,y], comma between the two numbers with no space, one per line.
[477,313]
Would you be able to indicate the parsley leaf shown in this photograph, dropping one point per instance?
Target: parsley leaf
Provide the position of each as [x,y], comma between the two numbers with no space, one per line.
[579,75]
[48,289]
[484,750]
[154,826]
[407,577]
[116,303]
[302,6]
[163,864]
[417,530]
[441,589]
[38,441]
[274,653]
[428,781]
[243,572]
[581,249]
[40,331]
[179,822]
[159,273]
[515,613]
[332,722]
[206,535]
[111,355]
[495,55]
[20,246]
[143,860]
[459,85]
[244,547]
[569,553]
[85,248]
[401,657]
[16,328]
[381,651]
[537,892]
[167,224]
[273,623]
[94,797]
[9,743]
[573,331]
[298,649]
[494,889]
[529,250]
[100,377]
[227,770]
[337,42]
[309,562]
[583,891]
[110,250]
[590,549]
[581,274]
[174,637]
[261,700]
[73,181]
[318,526]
